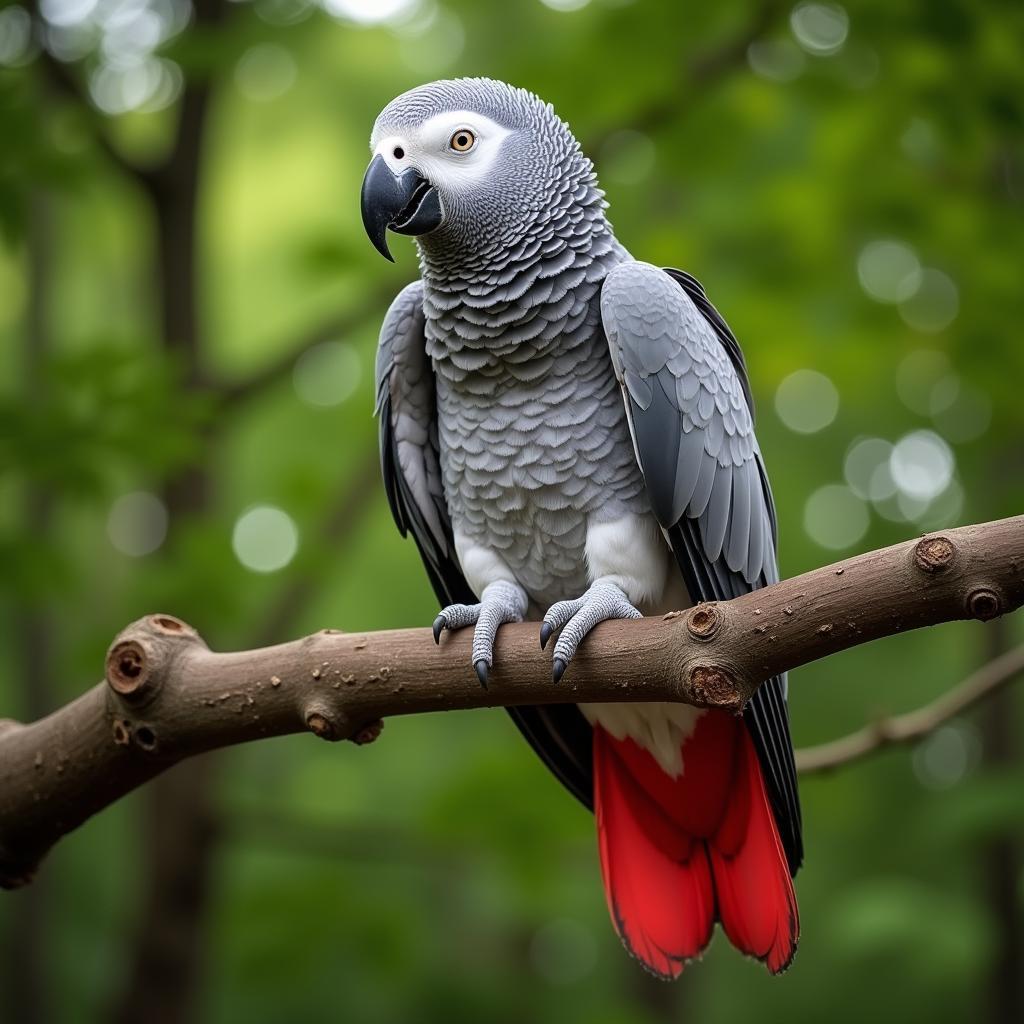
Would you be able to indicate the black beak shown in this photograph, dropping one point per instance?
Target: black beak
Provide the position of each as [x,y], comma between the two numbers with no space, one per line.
[406,203]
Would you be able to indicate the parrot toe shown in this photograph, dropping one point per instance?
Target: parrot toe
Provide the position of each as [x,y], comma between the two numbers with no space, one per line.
[455,616]
[603,600]
[503,601]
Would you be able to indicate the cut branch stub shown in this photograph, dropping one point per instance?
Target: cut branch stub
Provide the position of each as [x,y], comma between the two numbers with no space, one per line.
[712,686]
[139,659]
[171,626]
[703,622]
[934,554]
[321,722]
[128,668]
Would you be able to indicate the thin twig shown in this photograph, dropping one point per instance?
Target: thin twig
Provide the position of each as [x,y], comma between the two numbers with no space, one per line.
[914,725]
[702,71]
[371,307]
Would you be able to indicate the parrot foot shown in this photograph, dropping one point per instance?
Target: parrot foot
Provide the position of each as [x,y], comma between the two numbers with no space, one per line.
[502,602]
[603,600]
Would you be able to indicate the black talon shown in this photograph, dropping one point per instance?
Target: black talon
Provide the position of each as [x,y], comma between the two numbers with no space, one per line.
[481,672]
[439,624]
[557,669]
[545,634]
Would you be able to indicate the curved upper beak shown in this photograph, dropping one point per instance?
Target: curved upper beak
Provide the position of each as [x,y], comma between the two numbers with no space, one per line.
[406,203]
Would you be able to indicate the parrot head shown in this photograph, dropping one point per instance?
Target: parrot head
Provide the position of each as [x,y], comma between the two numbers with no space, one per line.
[467,164]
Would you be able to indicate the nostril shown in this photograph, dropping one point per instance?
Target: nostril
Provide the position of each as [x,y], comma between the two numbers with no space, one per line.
[399,152]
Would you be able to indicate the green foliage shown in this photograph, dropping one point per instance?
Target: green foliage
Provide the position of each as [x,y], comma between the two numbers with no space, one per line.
[440,874]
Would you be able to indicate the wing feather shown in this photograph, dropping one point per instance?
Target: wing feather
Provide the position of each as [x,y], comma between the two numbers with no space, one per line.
[708,489]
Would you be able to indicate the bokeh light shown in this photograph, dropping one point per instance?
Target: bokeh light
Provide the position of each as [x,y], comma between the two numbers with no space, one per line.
[835,518]
[284,12]
[889,270]
[922,465]
[934,304]
[806,401]
[125,35]
[148,85]
[563,952]
[943,758]
[821,29]
[864,458]
[15,36]
[137,523]
[778,60]
[565,5]
[265,72]
[369,12]
[327,374]
[431,40]
[63,13]
[265,538]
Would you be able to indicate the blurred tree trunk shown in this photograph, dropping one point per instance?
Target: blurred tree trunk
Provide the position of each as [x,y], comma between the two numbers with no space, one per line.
[178,814]
[26,958]
[1001,854]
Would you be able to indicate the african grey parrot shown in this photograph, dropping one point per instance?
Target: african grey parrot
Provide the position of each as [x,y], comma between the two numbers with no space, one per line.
[568,431]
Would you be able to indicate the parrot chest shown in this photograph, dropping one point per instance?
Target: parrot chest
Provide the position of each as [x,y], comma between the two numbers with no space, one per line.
[531,455]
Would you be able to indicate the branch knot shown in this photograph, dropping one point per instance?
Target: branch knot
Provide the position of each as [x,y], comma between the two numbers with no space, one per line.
[711,686]
[321,722]
[139,658]
[704,622]
[984,604]
[934,554]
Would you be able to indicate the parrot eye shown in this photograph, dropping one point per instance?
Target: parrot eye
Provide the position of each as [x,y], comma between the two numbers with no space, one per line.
[462,141]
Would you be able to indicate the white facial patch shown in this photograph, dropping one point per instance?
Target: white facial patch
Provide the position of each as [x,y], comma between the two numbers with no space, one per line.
[427,148]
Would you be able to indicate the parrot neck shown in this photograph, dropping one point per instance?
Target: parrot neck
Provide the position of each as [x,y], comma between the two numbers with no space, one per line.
[517,231]
[490,297]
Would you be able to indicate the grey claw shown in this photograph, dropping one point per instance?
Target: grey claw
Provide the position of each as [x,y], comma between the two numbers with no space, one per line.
[545,634]
[439,625]
[481,672]
[557,669]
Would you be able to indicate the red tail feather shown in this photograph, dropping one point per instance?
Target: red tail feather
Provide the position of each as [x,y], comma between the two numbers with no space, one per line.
[679,853]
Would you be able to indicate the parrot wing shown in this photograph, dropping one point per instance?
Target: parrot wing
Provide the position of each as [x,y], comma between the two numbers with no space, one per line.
[690,413]
[410,463]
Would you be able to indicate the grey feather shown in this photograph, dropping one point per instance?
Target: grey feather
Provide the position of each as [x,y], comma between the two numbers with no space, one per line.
[715,522]
[691,453]
[658,334]
[705,481]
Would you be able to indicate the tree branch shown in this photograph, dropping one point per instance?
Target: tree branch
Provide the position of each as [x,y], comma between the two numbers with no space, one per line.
[233,393]
[702,71]
[915,724]
[67,84]
[167,697]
